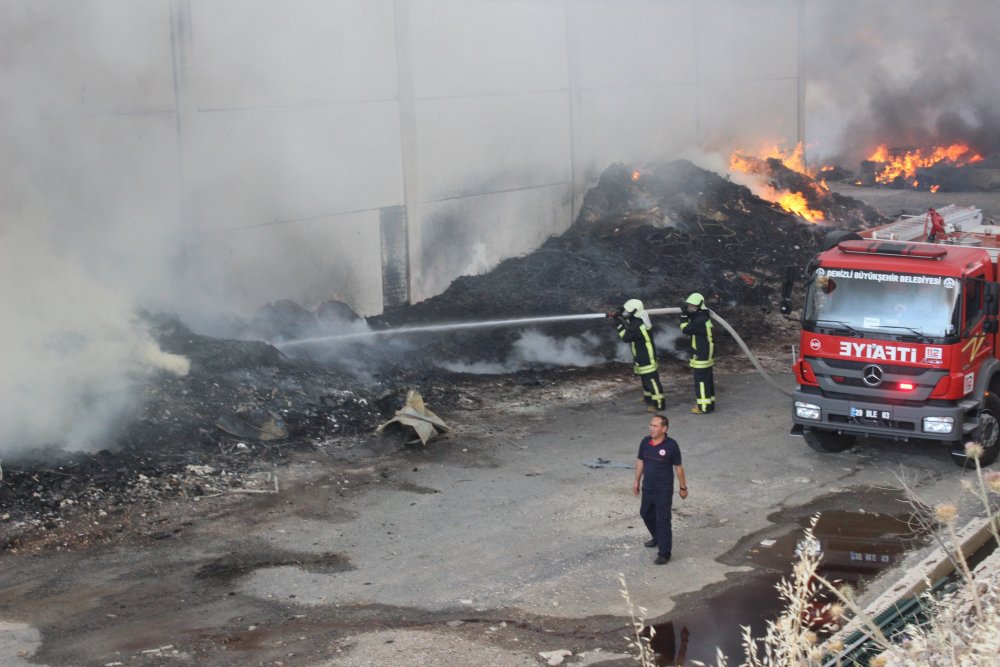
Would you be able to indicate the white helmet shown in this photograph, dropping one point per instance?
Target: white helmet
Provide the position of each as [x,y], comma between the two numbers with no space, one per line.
[634,306]
[635,309]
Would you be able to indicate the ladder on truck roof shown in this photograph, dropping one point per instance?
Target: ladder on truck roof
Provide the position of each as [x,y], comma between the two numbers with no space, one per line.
[961,219]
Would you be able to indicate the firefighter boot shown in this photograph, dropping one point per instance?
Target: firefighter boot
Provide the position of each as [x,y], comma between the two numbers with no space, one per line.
[697,411]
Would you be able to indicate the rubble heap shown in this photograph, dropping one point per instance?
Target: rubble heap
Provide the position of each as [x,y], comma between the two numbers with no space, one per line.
[655,235]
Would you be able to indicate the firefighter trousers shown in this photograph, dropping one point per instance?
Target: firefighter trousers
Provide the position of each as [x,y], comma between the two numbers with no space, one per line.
[652,389]
[704,388]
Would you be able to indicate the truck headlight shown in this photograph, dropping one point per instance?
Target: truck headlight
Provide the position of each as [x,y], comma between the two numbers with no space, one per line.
[805,410]
[942,425]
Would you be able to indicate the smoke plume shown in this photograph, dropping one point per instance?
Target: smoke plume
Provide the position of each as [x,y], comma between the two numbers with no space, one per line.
[535,349]
[98,222]
[905,74]
[73,352]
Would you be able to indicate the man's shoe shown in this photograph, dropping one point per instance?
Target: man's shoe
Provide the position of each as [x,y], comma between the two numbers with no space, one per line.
[649,543]
[697,411]
[650,408]
[661,559]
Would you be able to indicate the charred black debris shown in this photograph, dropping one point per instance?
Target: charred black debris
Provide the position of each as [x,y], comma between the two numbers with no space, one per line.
[654,232]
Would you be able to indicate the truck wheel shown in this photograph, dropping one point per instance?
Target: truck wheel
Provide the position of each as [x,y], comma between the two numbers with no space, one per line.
[988,435]
[827,441]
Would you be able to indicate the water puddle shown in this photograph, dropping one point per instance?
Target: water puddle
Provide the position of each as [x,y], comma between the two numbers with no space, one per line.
[856,546]
[246,559]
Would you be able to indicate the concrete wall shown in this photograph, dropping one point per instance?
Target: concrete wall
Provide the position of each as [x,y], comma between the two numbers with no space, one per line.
[369,150]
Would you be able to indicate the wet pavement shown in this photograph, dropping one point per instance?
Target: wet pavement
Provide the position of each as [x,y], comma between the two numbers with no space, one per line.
[856,546]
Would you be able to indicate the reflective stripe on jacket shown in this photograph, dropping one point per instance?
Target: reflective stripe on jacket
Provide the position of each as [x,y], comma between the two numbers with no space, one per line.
[699,327]
[641,341]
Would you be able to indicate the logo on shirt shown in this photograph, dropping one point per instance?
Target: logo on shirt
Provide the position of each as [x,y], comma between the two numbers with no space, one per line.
[663,452]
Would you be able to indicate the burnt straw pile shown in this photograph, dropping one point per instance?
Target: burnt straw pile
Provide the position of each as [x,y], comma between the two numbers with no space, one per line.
[847,213]
[656,235]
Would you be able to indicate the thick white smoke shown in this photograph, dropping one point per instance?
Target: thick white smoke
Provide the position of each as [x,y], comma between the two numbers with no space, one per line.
[73,353]
[95,219]
[78,261]
[532,349]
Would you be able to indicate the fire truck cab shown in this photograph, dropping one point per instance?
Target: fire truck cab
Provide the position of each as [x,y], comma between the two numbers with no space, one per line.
[899,338]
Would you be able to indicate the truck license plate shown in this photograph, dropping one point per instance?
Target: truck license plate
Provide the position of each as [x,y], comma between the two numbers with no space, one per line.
[870,414]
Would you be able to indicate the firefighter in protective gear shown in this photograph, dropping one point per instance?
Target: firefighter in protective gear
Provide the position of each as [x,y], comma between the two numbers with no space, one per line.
[635,328]
[696,323]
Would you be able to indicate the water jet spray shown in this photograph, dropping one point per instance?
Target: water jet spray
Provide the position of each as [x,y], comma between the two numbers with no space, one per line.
[524,321]
[453,326]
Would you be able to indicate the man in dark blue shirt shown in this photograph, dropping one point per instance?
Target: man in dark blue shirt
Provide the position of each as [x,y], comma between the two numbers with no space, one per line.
[658,460]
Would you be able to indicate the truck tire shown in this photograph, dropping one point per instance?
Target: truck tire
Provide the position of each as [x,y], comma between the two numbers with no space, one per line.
[988,435]
[827,441]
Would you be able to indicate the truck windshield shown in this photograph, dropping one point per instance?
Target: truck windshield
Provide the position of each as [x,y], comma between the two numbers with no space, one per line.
[889,304]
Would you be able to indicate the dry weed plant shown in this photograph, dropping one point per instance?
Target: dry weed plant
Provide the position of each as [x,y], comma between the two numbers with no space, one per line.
[637,616]
[963,630]
[964,627]
[792,640]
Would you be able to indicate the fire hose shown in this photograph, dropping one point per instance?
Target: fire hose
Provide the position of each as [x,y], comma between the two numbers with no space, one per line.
[523,322]
[736,337]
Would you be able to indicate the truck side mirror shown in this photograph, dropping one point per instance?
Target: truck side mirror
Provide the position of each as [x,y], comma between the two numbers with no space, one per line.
[791,273]
[992,298]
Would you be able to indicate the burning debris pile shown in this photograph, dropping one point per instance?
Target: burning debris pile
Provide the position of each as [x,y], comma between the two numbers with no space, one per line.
[789,184]
[656,234]
[951,168]
[243,405]
[945,168]
[813,201]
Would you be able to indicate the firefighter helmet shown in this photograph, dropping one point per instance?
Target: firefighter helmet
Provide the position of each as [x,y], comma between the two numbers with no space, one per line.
[633,306]
[695,299]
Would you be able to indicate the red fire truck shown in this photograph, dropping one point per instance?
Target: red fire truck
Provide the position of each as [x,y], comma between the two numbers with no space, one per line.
[899,337]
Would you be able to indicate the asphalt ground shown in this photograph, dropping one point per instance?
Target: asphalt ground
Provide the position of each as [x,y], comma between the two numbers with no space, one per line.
[487,546]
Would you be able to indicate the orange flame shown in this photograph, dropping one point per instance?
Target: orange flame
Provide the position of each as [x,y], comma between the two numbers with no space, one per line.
[636,175]
[904,164]
[795,202]
[794,159]
[750,163]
